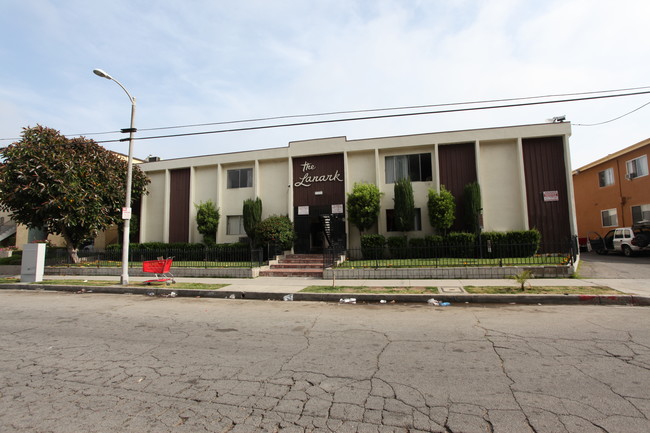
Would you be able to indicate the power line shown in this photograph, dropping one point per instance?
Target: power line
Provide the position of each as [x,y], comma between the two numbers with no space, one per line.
[385,116]
[372,110]
[612,120]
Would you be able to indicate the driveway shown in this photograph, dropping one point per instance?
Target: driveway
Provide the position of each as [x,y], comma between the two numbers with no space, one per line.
[593,265]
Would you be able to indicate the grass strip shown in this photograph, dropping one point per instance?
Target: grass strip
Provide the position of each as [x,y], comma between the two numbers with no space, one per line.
[542,290]
[371,289]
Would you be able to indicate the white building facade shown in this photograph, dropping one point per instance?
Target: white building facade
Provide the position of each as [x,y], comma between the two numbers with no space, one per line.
[524,173]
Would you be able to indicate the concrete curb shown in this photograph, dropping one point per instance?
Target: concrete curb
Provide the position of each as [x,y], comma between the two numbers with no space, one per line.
[455,299]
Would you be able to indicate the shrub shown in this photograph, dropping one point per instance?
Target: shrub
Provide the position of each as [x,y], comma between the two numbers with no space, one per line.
[418,248]
[442,209]
[461,244]
[364,205]
[404,205]
[397,246]
[276,230]
[436,245]
[472,208]
[207,221]
[252,212]
[372,246]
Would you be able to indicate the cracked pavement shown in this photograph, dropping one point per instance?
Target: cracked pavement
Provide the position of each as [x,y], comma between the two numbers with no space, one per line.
[106,363]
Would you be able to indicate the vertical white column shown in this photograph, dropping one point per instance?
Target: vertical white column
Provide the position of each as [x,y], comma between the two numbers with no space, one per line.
[166,206]
[522,183]
[221,185]
[192,210]
[290,188]
[143,218]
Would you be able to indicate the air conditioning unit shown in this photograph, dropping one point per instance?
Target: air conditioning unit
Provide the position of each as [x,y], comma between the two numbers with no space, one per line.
[630,176]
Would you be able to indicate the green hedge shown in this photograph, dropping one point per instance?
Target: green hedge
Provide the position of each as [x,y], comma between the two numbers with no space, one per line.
[398,247]
[517,243]
[372,246]
[461,244]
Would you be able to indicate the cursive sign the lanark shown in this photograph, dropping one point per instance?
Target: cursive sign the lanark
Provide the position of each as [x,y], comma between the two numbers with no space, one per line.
[307,179]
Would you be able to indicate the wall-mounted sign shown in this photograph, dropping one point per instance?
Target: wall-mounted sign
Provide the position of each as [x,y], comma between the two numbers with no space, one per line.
[551,196]
[307,178]
[337,208]
[303,210]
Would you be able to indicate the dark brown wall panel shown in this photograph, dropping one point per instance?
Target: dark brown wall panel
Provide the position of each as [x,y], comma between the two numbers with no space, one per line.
[544,167]
[457,165]
[179,210]
[316,174]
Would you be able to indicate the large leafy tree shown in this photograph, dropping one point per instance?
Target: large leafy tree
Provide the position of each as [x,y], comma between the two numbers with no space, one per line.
[71,187]
[364,205]
[404,205]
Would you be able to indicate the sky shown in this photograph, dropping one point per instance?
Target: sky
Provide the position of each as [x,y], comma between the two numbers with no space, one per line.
[204,62]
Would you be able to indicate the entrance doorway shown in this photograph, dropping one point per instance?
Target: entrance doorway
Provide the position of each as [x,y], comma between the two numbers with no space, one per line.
[318,230]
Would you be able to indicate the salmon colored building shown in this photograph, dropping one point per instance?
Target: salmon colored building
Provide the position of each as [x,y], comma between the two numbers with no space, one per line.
[613,191]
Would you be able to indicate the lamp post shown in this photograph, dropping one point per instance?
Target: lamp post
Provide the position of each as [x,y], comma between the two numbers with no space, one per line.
[126,211]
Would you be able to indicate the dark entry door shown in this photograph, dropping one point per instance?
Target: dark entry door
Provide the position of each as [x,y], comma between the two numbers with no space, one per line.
[311,230]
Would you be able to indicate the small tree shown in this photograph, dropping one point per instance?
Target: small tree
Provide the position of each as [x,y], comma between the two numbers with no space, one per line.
[252,212]
[404,205]
[442,210]
[472,197]
[276,230]
[364,205]
[207,221]
[72,187]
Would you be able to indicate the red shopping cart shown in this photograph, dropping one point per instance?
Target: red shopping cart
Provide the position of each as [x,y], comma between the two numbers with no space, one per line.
[160,268]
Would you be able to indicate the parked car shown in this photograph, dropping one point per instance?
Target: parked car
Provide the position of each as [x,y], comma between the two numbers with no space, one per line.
[625,240]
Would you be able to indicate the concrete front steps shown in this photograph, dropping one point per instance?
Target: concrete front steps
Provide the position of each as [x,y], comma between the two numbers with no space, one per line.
[296,265]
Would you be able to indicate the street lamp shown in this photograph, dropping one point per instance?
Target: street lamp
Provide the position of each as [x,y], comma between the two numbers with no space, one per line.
[126,211]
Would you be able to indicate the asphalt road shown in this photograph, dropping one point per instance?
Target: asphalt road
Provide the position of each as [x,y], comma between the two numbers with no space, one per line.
[127,363]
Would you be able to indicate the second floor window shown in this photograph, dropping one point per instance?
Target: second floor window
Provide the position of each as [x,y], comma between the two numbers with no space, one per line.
[637,167]
[416,167]
[606,177]
[240,178]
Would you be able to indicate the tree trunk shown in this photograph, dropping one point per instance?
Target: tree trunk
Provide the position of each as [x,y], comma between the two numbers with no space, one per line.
[72,249]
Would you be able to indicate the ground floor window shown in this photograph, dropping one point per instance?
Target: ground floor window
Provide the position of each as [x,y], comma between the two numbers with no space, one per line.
[235,225]
[390,220]
[609,217]
[641,213]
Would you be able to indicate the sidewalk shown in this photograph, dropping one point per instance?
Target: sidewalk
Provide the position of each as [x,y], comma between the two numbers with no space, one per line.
[633,291]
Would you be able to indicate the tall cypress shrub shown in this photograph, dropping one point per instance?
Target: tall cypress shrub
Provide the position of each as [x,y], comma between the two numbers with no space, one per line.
[404,205]
[472,196]
[252,213]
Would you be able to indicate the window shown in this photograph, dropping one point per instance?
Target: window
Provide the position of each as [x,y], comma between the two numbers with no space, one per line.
[609,218]
[241,178]
[640,213]
[606,177]
[235,225]
[390,220]
[416,167]
[637,167]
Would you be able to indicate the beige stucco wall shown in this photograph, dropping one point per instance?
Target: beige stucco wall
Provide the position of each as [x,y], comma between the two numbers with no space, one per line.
[501,185]
[274,187]
[420,190]
[204,187]
[231,200]
[153,204]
